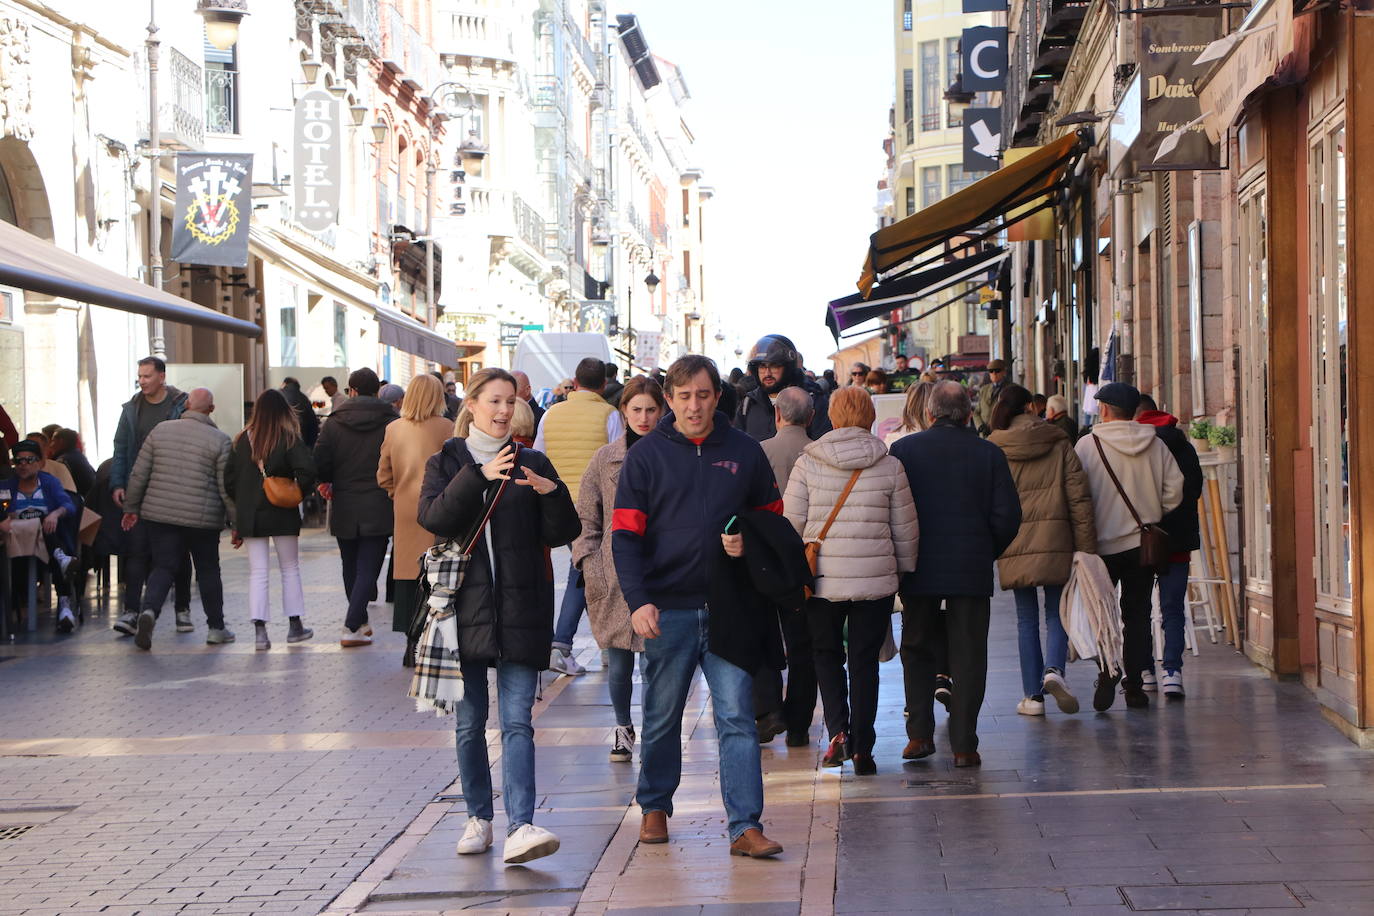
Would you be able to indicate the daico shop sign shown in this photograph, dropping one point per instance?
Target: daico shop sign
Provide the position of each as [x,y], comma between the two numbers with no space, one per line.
[317,163]
[1170,108]
[214,204]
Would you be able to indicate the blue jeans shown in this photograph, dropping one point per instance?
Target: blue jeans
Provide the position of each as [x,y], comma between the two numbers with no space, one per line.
[621,680]
[668,666]
[570,613]
[1033,664]
[1173,603]
[515,687]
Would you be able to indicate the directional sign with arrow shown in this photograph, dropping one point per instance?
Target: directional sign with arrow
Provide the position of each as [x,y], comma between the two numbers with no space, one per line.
[982,139]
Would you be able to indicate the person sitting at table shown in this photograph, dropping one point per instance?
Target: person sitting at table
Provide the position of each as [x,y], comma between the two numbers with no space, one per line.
[34,494]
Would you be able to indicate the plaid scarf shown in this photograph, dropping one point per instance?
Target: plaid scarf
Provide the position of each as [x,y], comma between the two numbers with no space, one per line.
[438,680]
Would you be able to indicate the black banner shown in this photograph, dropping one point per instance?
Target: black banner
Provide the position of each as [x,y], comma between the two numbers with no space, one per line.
[1171,129]
[982,139]
[214,205]
[985,6]
[984,52]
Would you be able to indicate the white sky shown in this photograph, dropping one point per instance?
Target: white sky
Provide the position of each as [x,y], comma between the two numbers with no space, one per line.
[789,107]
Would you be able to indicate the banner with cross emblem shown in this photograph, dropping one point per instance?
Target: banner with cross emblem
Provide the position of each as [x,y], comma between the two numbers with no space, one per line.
[213,209]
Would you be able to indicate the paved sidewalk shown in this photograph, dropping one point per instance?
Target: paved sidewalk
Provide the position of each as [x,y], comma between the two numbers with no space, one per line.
[195,779]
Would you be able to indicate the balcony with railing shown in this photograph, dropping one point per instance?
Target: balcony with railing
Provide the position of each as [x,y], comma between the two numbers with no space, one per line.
[529,225]
[476,30]
[579,43]
[640,133]
[181,110]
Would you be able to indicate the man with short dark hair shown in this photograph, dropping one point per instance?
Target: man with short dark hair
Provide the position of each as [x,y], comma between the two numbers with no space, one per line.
[965,484]
[682,489]
[1153,483]
[613,386]
[155,402]
[570,434]
[305,413]
[360,515]
[331,390]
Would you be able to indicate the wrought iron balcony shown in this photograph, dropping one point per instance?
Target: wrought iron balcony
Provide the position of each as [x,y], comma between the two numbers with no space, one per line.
[181,112]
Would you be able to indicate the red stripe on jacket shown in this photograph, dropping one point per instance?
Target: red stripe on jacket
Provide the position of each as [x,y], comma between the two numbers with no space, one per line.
[631,520]
[775,507]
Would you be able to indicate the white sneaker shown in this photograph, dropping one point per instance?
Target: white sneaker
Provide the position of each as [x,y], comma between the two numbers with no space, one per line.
[351,639]
[528,842]
[1030,706]
[1055,685]
[623,748]
[62,559]
[1148,682]
[1173,683]
[476,837]
[562,661]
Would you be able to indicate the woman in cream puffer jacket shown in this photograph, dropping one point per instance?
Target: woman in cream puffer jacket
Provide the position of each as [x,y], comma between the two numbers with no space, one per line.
[871,543]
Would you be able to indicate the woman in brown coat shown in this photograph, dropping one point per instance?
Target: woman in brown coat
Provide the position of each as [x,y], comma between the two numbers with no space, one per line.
[421,431]
[641,405]
[1056,521]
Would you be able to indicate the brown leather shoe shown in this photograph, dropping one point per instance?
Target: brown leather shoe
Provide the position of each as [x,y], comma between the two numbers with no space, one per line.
[654,827]
[968,760]
[755,845]
[917,748]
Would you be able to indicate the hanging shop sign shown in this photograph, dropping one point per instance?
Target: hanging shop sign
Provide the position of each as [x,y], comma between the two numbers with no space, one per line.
[982,139]
[594,317]
[983,50]
[317,161]
[1172,134]
[985,6]
[510,333]
[214,204]
[648,345]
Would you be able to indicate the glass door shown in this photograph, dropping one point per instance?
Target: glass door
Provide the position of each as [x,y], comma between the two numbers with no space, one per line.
[1255,390]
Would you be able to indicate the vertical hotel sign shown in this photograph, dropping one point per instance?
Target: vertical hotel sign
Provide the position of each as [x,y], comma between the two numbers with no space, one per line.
[1169,46]
[317,161]
[214,204]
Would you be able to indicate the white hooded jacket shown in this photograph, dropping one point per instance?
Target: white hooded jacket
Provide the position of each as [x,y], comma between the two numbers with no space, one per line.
[1146,470]
[874,536]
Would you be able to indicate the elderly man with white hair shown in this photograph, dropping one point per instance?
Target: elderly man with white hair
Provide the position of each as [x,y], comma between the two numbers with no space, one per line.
[966,497]
[177,490]
[1057,412]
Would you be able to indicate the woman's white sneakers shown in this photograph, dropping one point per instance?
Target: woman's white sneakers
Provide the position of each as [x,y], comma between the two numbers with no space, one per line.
[1030,706]
[476,837]
[529,842]
[1056,687]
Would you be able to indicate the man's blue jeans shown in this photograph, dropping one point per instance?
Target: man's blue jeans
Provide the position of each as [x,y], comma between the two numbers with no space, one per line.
[515,687]
[1173,605]
[669,663]
[1033,663]
[570,613]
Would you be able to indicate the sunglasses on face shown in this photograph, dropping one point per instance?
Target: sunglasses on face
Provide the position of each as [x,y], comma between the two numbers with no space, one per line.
[857,374]
[27,459]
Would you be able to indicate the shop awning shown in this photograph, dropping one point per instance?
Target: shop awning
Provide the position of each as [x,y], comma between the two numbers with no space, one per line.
[37,265]
[843,314]
[1247,59]
[409,336]
[978,212]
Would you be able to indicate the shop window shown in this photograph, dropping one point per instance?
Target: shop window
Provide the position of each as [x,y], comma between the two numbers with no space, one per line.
[1329,310]
[1254,259]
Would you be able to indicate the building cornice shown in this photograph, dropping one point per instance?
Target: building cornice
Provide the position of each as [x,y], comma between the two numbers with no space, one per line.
[48,13]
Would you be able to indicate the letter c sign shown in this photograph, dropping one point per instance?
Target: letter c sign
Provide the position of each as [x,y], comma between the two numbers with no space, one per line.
[984,52]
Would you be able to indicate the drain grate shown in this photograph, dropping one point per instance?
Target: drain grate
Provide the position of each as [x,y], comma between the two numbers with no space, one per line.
[14,831]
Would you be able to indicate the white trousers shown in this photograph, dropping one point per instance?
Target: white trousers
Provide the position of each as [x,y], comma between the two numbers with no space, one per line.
[259,572]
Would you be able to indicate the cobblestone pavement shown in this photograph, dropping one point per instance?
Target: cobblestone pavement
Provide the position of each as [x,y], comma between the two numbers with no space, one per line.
[195,779]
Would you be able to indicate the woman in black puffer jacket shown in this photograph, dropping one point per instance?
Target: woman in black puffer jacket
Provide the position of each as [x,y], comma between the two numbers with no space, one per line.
[505,606]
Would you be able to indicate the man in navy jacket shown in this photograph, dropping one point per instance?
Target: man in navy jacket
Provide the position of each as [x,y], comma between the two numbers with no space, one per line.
[680,489]
[969,508]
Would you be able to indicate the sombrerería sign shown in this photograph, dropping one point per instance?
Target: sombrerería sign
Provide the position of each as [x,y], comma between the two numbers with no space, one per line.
[1169,48]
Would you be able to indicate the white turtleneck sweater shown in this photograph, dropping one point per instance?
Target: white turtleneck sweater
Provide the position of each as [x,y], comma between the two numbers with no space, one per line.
[484,448]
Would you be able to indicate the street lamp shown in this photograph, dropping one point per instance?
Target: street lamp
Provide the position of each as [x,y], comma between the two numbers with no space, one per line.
[471,154]
[601,240]
[651,281]
[222,18]
[379,130]
[359,113]
[311,69]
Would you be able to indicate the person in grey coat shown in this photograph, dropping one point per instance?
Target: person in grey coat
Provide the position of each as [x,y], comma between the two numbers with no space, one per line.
[963,488]
[177,490]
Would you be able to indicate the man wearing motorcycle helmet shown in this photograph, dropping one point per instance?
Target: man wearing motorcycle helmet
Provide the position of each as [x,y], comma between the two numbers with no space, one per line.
[775,364]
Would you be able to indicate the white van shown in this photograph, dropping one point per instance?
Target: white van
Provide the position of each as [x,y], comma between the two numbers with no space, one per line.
[548,358]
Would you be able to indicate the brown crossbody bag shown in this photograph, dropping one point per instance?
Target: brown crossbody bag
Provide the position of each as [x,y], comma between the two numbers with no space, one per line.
[813,548]
[1154,540]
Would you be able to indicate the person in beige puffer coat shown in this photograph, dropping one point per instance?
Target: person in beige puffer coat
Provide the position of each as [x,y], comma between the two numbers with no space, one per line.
[871,543]
[1056,521]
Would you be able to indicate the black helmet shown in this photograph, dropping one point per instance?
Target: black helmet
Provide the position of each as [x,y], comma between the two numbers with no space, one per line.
[774,350]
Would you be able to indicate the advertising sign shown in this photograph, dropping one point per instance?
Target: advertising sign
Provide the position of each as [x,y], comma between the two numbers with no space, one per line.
[1170,108]
[214,204]
[647,346]
[317,160]
[982,139]
[984,52]
[510,333]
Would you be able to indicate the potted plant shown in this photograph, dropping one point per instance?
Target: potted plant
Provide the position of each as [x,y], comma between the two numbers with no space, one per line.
[1198,431]
[1223,441]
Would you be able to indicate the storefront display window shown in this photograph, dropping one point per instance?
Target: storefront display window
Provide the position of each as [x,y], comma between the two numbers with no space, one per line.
[1331,440]
[1255,407]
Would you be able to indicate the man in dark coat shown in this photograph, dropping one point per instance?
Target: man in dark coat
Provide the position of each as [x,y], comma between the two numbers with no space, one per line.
[523,392]
[775,364]
[360,516]
[305,413]
[1185,536]
[611,392]
[965,494]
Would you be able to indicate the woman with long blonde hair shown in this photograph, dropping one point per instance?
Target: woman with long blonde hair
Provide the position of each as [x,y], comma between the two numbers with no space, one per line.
[270,446]
[913,412]
[421,431]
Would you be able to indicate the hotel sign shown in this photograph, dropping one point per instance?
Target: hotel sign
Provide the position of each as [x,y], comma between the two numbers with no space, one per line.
[317,163]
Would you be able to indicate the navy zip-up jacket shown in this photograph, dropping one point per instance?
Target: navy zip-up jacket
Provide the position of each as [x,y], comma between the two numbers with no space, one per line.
[671,506]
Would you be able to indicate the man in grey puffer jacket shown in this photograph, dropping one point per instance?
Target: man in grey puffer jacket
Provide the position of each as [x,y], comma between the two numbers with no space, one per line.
[177,490]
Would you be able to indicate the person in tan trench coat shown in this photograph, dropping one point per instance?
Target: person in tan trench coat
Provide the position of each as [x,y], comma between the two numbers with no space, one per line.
[1056,520]
[641,405]
[410,441]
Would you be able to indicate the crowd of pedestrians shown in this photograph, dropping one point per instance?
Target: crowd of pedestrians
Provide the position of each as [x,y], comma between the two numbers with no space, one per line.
[758,532]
